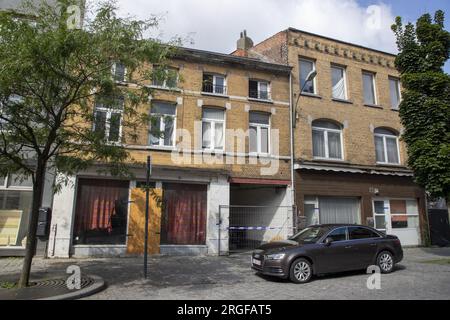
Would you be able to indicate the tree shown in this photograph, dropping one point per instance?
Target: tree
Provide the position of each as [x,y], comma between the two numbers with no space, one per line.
[425,107]
[51,74]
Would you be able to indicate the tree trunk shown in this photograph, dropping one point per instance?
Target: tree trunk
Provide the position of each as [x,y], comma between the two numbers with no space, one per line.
[38,188]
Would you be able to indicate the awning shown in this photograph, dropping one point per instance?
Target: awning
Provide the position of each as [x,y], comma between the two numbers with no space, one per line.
[387,172]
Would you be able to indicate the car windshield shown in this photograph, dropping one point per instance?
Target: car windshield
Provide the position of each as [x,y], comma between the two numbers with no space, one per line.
[309,235]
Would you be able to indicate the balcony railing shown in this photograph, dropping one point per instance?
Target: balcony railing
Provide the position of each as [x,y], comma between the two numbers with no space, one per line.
[216,89]
[258,94]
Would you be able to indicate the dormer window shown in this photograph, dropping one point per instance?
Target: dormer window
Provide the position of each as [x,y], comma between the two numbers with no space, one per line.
[213,83]
[259,89]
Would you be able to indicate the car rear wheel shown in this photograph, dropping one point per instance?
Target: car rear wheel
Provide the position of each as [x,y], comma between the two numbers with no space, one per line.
[301,271]
[385,261]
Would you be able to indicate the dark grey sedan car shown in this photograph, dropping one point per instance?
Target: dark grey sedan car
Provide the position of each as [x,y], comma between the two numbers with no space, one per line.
[327,249]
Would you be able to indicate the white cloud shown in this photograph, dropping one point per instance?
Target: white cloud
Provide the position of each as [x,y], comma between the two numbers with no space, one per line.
[215,24]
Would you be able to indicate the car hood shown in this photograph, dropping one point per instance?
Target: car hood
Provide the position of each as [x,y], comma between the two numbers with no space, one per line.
[278,245]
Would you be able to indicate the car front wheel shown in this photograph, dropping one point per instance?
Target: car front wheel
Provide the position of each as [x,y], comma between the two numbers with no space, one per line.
[385,261]
[301,271]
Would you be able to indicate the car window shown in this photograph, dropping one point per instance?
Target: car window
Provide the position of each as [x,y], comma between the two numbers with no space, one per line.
[309,235]
[338,234]
[361,233]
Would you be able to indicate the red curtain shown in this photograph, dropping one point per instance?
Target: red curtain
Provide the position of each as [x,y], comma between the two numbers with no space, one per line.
[184,220]
[96,202]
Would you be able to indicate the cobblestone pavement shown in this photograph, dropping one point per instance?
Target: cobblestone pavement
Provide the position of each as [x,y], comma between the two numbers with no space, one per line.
[231,278]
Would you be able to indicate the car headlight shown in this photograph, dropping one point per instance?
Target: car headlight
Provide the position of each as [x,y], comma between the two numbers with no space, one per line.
[277,256]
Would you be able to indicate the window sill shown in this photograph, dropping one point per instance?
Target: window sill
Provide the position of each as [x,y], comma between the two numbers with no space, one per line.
[259,155]
[161,148]
[376,106]
[215,94]
[165,88]
[311,95]
[330,160]
[342,100]
[393,165]
[396,110]
[213,152]
[260,100]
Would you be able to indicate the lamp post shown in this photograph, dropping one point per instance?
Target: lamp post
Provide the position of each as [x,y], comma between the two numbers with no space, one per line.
[293,123]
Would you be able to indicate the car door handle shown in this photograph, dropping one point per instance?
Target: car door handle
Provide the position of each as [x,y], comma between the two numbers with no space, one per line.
[348,247]
[373,244]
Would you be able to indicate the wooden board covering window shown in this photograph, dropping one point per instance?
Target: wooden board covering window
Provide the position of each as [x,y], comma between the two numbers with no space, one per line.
[136,224]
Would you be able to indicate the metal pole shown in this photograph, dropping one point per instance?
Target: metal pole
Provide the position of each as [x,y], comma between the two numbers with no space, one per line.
[147,202]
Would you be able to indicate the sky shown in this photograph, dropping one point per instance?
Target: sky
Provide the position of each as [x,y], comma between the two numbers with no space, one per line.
[215,25]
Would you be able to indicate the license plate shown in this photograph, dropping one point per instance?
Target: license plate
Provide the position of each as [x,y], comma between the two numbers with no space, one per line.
[256,262]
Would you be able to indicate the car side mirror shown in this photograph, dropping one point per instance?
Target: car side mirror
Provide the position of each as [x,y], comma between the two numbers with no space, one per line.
[328,241]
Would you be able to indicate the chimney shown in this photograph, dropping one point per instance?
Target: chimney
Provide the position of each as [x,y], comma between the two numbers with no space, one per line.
[244,43]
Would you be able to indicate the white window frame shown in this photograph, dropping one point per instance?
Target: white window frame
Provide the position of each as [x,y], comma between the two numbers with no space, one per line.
[6,186]
[315,78]
[384,136]
[269,91]
[113,71]
[109,112]
[215,76]
[327,151]
[162,127]
[397,80]
[258,138]
[374,85]
[344,75]
[388,215]
[164,84]
[213,131]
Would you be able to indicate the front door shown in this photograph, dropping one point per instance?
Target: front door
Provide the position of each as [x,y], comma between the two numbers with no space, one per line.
[136,225]
[399,217]
[337,256]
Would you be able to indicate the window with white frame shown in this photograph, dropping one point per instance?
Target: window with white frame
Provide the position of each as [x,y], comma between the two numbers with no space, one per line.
[258,89]
[108,118]
[306,66]
[213,128]
[162,124]
[327,140]
[166,77]
[369,88]
[338,81]
[386,146]
[259,133]
[119,71]
[394,87]
[214,83]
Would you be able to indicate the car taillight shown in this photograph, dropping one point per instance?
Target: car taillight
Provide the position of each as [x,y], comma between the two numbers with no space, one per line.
[397,241]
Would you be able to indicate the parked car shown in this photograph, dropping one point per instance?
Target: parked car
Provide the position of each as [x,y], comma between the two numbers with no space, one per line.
[325,249]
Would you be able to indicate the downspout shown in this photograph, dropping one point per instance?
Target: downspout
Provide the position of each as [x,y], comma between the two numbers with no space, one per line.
[291,127]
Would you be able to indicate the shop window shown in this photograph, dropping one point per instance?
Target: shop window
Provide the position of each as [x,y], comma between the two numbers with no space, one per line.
[101,212]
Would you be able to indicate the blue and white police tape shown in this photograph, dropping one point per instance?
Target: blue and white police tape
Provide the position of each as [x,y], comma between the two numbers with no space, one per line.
[254,228]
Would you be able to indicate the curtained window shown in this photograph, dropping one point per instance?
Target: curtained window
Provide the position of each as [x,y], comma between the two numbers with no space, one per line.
[184,214]
[259,132]
[162,124]
[327,140]
[101,211]
[339,210]
[369,88]
[306,67]
[386,146]
[213,127]
[394,87]
[339,90]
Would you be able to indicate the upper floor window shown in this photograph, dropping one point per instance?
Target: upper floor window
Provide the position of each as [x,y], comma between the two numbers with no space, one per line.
[394,87]
[213,128]
[16,181]
[259,89]
[327,140]
[165,77]
[119,72]
[162,124]
[386,146]
[306,67]
[259,133]
[108,118]
[339,87]
[213,83]
[369,88]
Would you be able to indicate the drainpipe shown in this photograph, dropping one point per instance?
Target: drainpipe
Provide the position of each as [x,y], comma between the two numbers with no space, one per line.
[291,128]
